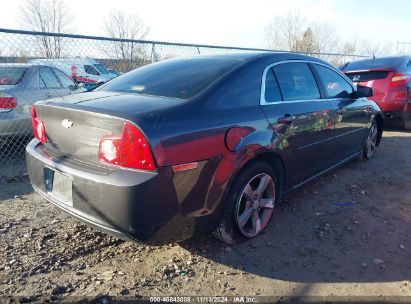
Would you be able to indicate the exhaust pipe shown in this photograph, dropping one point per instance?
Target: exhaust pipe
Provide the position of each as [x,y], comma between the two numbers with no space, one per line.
[388,115]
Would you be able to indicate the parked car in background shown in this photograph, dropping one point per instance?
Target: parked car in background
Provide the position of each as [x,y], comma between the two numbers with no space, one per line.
[156,159]
[115,72]
[390,78]
[86,71]
[21,85]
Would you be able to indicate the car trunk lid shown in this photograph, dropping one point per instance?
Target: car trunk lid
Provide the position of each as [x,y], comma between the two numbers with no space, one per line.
[75,124]
[378,79]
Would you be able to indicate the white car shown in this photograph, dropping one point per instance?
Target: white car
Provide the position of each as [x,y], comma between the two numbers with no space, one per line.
[87,71]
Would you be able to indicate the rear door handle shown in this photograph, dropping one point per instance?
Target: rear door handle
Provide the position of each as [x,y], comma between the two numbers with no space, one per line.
[286,119]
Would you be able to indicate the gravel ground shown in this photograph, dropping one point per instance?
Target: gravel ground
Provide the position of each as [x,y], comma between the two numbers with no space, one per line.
[347,234]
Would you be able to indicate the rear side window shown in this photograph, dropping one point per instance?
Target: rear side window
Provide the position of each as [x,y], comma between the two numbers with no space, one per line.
[296,81]
[11,75]
[335,85]
[272,91]
[48,79]
[177,78]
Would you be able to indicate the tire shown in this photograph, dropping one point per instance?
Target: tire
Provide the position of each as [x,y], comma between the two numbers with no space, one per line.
[370,143]
[247,211]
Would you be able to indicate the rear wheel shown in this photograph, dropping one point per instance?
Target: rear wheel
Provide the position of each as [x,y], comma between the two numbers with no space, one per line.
[250,204]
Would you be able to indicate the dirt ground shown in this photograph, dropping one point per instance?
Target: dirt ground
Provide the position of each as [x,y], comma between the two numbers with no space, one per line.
[345,235]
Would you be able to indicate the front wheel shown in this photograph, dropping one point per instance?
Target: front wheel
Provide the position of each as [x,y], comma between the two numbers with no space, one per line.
[370,144]
[250,204]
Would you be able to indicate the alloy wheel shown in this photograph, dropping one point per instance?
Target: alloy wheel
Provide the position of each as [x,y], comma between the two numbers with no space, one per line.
[371,141]
[255,205]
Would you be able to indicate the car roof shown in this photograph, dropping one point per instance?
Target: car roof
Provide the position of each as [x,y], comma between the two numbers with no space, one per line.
[17,65]
[67,60]
[251,55]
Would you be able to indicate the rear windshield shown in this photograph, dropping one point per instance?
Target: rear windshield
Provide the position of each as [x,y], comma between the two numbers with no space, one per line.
[367,76]
[101,68]
[11,75]
[390,63]
[178,78]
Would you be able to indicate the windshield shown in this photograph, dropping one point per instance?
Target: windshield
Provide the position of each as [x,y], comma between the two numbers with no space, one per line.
[101,68]
[11,75]
[178,78]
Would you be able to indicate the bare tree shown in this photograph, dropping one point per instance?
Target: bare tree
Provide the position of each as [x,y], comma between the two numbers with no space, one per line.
[47,16]
[292,32]
[284,32]
[126,26]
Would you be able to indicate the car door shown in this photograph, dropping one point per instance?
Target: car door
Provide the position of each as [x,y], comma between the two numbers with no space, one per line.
[351,115]
[50,86]
[299,115]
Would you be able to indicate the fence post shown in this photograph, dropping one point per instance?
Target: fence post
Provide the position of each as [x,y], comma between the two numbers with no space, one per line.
[153,53]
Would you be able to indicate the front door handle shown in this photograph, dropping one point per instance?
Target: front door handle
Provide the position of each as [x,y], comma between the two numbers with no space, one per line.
[340,111]
[286,119]
[48,95]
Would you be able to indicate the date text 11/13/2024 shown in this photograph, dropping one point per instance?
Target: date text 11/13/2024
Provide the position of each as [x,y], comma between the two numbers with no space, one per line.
[204,299]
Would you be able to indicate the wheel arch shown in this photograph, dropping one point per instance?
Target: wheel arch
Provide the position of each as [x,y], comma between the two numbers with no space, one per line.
[274,160]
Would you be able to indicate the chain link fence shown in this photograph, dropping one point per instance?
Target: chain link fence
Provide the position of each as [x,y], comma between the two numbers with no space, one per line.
[36,66]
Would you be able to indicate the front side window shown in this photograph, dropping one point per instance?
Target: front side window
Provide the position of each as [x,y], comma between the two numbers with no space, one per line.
[408,66]
[335,85]
[101,68]
[296,81]
[48,79]
[64,79]
[89,69]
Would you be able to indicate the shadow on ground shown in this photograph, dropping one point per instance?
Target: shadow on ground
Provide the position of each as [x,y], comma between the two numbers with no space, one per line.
[350,226]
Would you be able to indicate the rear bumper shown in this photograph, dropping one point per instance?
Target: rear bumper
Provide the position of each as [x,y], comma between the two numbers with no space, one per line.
[133,205]
[87,219]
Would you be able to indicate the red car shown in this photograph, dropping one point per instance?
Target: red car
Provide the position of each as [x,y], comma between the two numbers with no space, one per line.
[390,77]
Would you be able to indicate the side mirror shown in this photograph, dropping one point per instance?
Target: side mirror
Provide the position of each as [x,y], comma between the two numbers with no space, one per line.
[363,91]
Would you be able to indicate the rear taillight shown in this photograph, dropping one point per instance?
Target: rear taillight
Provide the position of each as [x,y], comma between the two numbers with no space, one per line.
[7,103]
[129,150]
[38,126]
[399,79]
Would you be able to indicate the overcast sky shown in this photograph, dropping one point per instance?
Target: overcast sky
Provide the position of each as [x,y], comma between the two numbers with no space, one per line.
[235,22]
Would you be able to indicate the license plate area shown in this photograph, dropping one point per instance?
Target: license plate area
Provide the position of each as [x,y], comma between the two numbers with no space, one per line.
[59,185]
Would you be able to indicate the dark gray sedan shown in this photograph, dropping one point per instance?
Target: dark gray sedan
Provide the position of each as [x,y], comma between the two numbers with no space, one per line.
[201,144]
[21,85]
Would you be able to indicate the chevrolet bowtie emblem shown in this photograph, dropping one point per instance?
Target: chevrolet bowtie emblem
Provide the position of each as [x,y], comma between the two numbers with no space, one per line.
[67,123]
